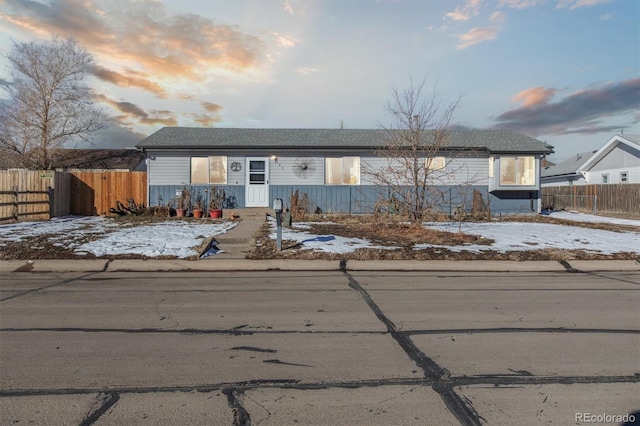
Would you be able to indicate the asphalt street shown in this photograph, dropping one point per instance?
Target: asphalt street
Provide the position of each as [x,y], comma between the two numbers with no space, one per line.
[323,347]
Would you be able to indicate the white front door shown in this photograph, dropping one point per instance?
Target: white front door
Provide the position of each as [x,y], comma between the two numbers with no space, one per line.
[257,182]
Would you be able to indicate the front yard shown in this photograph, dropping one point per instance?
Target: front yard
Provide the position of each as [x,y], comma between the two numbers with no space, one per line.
[561,236]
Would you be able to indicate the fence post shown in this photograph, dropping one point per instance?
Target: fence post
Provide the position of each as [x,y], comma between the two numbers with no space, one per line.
[51,201]
[595,204]
[15,203]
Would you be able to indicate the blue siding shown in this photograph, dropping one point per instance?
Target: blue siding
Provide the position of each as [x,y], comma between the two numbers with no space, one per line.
[162,194]
[514,202]
[361,198]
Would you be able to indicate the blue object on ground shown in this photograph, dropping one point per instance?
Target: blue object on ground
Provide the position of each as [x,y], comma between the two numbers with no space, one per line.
[321,239]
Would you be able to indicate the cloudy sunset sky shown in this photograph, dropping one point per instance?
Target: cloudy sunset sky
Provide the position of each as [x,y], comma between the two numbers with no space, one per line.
[563,71]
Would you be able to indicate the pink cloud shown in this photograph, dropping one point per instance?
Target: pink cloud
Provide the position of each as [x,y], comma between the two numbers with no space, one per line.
[475,36]
[535,96]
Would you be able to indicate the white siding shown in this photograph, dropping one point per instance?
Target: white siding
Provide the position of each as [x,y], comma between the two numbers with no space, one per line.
[169,170]
[472,171]
[283,171]
[174,169]
[236,178]
[620,159]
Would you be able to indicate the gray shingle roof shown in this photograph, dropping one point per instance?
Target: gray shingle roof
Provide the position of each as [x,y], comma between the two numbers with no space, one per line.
[574,164]
[199,137]
[569,166]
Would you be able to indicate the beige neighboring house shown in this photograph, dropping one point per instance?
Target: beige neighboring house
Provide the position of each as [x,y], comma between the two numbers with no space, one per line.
[618,161]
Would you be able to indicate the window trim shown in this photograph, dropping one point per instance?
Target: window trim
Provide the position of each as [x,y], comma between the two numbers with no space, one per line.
[342,168]
[224,160]
[515,158]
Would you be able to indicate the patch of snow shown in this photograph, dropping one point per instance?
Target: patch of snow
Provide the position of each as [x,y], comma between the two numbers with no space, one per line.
[170,238]
[522,236]
[582,217]
[334,244]
[158,239]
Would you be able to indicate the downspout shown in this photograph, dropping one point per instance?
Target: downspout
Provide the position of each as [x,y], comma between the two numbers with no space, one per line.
[539,177]
[147,162]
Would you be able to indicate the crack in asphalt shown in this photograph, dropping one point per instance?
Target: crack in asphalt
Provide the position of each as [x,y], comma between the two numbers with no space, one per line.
[108,400]
[234,398]
[428,366]
[460,409]
[435,376]
[417,332]
[493,380]
[35,290]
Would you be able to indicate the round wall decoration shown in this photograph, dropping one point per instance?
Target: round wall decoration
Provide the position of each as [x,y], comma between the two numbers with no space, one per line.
[304,167]
[236,166]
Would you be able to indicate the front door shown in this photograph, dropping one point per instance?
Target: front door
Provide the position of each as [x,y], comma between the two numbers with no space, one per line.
[257,182]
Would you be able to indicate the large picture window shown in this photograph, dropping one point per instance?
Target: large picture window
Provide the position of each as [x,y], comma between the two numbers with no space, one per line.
[342,171]
[516,171]
[212,169]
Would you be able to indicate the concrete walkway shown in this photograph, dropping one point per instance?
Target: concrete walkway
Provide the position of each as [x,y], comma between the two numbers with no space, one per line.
[235,244]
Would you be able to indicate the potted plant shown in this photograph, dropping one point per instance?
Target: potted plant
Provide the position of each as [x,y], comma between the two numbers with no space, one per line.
[216,201]
[183,202]
[198,208]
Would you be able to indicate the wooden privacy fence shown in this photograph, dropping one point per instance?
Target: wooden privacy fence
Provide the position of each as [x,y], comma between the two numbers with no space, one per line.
[93,193]
[621,198]
[28,195]
[39,195]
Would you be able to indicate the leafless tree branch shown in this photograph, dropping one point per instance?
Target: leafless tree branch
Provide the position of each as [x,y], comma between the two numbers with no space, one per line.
[49,105]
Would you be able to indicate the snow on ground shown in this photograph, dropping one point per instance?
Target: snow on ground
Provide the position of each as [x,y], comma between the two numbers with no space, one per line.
[325,243]
[180,238]
[521,236]
[170,238]
[582,217]
[507,236]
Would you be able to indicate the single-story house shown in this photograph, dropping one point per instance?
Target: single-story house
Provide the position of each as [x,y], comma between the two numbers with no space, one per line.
[256,166]
[618,161]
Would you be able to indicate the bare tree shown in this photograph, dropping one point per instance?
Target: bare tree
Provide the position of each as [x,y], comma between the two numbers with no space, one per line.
[48,107]
[415,162]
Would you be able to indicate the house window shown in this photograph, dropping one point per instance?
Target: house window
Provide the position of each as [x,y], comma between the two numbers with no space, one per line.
[605,178]
[624,177]
[435,163]
[517,171]
[342,171]
[212,169]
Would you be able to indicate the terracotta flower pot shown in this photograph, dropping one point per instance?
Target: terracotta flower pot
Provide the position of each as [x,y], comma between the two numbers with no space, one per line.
[180,212]
[215,213]
[197,213]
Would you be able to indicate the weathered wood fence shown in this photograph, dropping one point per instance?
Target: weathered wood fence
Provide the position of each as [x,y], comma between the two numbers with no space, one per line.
[27,195]
[93,193]
[610,198]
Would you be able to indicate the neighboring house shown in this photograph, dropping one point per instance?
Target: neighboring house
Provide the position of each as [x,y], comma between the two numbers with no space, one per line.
[85,159]
[255,166]
[618,161]
[566,172]
[105,159]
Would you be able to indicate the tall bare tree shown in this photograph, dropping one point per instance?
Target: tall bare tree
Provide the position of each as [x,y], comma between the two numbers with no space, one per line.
[409,177]
[49,106]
